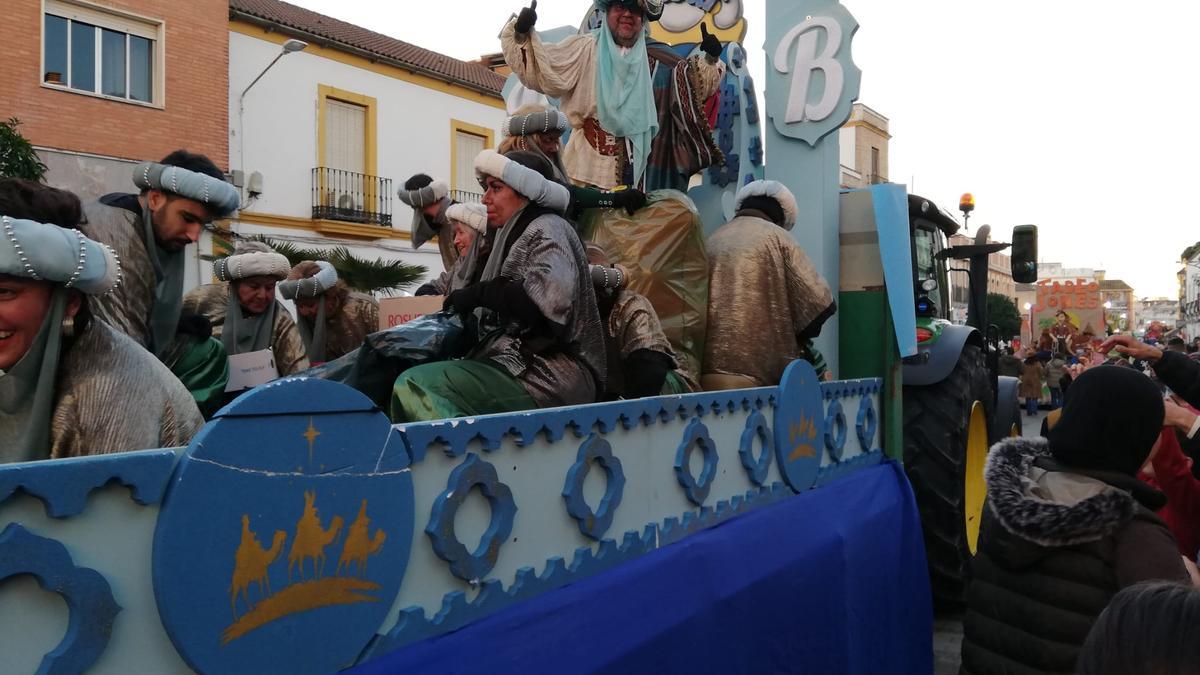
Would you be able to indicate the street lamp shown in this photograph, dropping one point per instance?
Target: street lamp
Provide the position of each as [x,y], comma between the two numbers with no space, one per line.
[288,47]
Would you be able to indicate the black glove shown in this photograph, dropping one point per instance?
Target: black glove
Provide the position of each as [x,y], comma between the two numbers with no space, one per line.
[527,18]
[631,199]
[709,44]
[464,300]
[645,371]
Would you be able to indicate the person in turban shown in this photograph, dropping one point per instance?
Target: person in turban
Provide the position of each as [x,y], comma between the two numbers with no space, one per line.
[332,320]
[539,341]
[429,200]
[70,384]
[243,310]
[766,301]
[149,230]
[636,108]
[470,225]
[639,356]
[538,129]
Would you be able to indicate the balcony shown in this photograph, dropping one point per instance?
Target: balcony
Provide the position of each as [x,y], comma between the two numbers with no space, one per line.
[351,197]
[466,197]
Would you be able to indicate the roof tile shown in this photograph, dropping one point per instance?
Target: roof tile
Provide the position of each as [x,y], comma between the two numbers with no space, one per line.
[439,65]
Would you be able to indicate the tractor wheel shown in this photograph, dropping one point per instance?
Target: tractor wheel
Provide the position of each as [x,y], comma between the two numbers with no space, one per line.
[945,445]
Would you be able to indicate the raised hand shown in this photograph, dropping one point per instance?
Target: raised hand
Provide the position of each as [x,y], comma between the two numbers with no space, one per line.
[1128,346]
[709,44]
[527,18]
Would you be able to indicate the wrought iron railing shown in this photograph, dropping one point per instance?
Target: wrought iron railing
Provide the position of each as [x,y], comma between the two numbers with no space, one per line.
[466,197]
[351,197]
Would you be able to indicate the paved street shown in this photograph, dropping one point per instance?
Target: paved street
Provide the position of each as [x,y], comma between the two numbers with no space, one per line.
[947,628]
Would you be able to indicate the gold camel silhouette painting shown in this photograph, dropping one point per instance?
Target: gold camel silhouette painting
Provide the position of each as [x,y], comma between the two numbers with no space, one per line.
[252,564]
[359,546]
[311,539]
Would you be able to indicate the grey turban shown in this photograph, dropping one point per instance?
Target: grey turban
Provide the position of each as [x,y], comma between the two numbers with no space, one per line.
[59,255]
[221,197]
[311,287]
[540,122]
[527,182]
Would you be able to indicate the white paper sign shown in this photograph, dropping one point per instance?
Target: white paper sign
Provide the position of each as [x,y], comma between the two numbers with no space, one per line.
[251,369]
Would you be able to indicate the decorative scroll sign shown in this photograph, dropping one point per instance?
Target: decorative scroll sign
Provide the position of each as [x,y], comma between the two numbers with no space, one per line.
[822,79]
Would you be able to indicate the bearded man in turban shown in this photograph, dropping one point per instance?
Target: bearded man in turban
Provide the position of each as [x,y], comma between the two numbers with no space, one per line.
[637,108]
[149,231]
[332,320]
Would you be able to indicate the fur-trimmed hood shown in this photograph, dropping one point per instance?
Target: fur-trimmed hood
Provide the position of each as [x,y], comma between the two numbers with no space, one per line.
[1050,508]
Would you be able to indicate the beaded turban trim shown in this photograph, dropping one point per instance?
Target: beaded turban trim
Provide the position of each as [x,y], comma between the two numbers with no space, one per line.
[45,252]
[772,189]
[426,196]
[541,122]
[527,182]
[311,287]
[252,259]
[473,216]
[221,197]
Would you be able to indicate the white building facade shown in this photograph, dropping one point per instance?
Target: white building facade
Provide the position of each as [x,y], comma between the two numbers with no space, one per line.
[323,141]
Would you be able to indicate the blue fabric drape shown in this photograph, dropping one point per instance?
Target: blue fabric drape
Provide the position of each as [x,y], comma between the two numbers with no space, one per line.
[830,581]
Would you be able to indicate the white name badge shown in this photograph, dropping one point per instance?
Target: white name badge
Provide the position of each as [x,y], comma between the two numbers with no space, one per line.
[251,369]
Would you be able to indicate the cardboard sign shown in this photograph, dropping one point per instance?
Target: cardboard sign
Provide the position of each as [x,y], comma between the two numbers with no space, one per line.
[251,369]
[395,311]
[1079,299]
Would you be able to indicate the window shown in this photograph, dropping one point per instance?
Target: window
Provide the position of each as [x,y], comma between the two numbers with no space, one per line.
[466,141]
[345,136]
[101,52]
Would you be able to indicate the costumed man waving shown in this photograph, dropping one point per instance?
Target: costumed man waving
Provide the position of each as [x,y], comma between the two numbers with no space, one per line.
[332,320]
[766,301]
[243,310]
[149,232]
[539,339]
[637,109]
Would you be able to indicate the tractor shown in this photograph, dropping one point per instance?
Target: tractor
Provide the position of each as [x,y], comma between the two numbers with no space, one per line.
[955,404]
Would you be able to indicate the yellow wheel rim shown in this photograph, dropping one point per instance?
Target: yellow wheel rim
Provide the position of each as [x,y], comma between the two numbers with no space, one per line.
[974,488]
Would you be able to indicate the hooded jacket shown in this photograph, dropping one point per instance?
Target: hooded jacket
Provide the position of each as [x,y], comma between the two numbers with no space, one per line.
[1054,547]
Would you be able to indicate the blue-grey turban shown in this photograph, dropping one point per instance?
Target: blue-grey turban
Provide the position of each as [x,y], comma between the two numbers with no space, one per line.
[59,255]
[220,197]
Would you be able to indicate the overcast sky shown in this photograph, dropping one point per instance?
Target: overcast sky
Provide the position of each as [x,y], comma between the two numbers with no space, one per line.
[1072,115]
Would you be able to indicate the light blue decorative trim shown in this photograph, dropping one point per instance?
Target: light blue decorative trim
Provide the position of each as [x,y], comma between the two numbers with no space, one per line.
[867,423]
[833,472]
[471,566]
[594,524]
[851,388]
[674,529]
[836,430]
[457,611]
[756,469]
[63,485]
[89,598]
[456,435]
[697,489]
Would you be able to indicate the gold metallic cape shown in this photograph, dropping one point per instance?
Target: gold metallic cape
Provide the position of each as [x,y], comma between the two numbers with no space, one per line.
[762,292]
[346,331]
[128,307]
[211,301]
[113,395]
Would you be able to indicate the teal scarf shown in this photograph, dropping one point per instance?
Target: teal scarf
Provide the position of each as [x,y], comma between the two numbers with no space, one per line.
[313,333]
[625,96]
[27,391]
[168,290]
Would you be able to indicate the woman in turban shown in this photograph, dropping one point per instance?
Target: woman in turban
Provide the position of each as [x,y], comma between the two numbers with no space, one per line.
[243,310]
[69,382]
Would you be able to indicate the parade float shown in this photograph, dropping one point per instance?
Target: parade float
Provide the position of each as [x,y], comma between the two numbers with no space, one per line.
[755,530]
